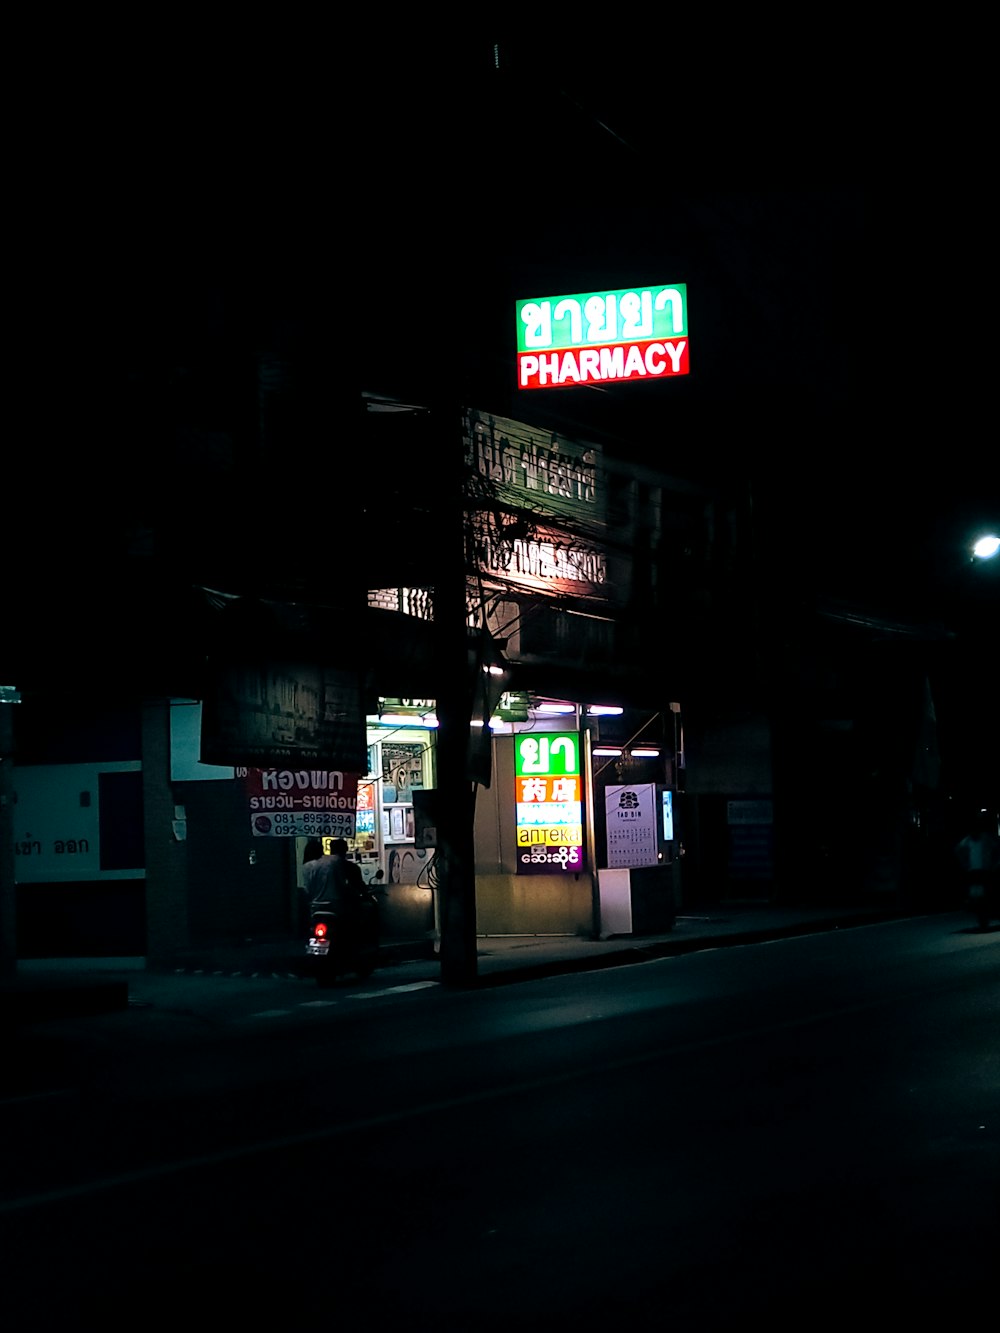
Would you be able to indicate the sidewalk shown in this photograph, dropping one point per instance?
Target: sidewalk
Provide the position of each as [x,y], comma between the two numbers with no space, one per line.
[44,989]
[516,958]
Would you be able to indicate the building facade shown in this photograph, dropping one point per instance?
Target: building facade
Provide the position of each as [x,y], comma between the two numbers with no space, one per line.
[589,586]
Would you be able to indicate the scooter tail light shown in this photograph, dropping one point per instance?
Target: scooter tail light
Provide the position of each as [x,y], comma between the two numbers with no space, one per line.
[320,930]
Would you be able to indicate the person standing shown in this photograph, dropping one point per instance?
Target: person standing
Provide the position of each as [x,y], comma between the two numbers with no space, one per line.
[312,854]
[978,854]
[350,881]
[335,879]
[339,886]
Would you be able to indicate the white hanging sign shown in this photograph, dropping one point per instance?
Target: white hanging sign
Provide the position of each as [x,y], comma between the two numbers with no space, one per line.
[630,820]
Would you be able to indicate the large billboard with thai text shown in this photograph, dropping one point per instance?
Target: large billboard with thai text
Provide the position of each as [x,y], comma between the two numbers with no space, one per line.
[545,480]
[296,714]
[548,474]
[599,337]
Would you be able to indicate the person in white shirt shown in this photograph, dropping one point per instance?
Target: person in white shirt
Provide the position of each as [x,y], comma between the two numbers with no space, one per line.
[978,854]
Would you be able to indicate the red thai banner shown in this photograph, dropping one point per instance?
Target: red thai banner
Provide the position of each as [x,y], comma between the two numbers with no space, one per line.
[304,803]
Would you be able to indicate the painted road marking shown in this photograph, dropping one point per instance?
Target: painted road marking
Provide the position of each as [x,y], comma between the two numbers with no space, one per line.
[392,990]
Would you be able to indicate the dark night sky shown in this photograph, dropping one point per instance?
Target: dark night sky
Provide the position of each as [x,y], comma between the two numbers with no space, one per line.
[739,161]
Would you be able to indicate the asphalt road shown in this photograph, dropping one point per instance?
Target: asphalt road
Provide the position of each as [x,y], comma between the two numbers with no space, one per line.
[804,1130]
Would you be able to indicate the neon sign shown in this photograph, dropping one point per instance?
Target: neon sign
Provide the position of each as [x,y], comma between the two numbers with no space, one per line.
[595,337]
[549,803]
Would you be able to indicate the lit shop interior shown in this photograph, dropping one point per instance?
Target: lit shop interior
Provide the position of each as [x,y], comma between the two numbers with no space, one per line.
[552,890]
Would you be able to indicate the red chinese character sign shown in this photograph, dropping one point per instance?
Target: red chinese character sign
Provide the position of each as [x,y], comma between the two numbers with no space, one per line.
[598,337]
[549,803]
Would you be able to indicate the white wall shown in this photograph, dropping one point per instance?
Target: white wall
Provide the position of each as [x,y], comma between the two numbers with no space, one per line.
[57,823]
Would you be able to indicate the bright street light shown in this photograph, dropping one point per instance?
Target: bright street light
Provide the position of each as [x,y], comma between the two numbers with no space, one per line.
[986,547]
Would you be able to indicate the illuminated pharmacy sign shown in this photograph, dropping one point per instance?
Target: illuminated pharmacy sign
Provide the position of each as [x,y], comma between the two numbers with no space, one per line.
[597,337]
[549,803]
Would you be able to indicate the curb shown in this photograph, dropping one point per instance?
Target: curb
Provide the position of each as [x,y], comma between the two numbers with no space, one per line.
[281,964]
[39,1000]
[644,953]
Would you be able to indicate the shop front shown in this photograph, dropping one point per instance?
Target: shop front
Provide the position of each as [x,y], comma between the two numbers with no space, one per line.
[542,847]
[533,839]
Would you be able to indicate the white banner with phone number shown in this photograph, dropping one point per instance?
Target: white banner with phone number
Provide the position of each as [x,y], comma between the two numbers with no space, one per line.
[300,803]
[311,824]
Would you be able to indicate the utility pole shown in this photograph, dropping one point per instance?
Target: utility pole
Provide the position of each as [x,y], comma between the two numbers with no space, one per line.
[456,792]
[8,886]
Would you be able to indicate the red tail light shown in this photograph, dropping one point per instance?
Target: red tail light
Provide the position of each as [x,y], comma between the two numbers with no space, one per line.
[319,930]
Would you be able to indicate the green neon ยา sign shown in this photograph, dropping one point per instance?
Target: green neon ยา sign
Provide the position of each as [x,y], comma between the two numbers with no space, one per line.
[589,319]
[554,752]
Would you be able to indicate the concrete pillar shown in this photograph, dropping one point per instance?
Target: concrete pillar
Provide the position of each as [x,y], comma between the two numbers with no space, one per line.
[167,917]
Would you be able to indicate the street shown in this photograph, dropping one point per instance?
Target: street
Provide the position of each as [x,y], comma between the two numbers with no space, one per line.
[800,1130]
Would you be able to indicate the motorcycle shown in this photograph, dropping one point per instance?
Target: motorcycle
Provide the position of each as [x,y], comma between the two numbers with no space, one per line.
[341,944]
